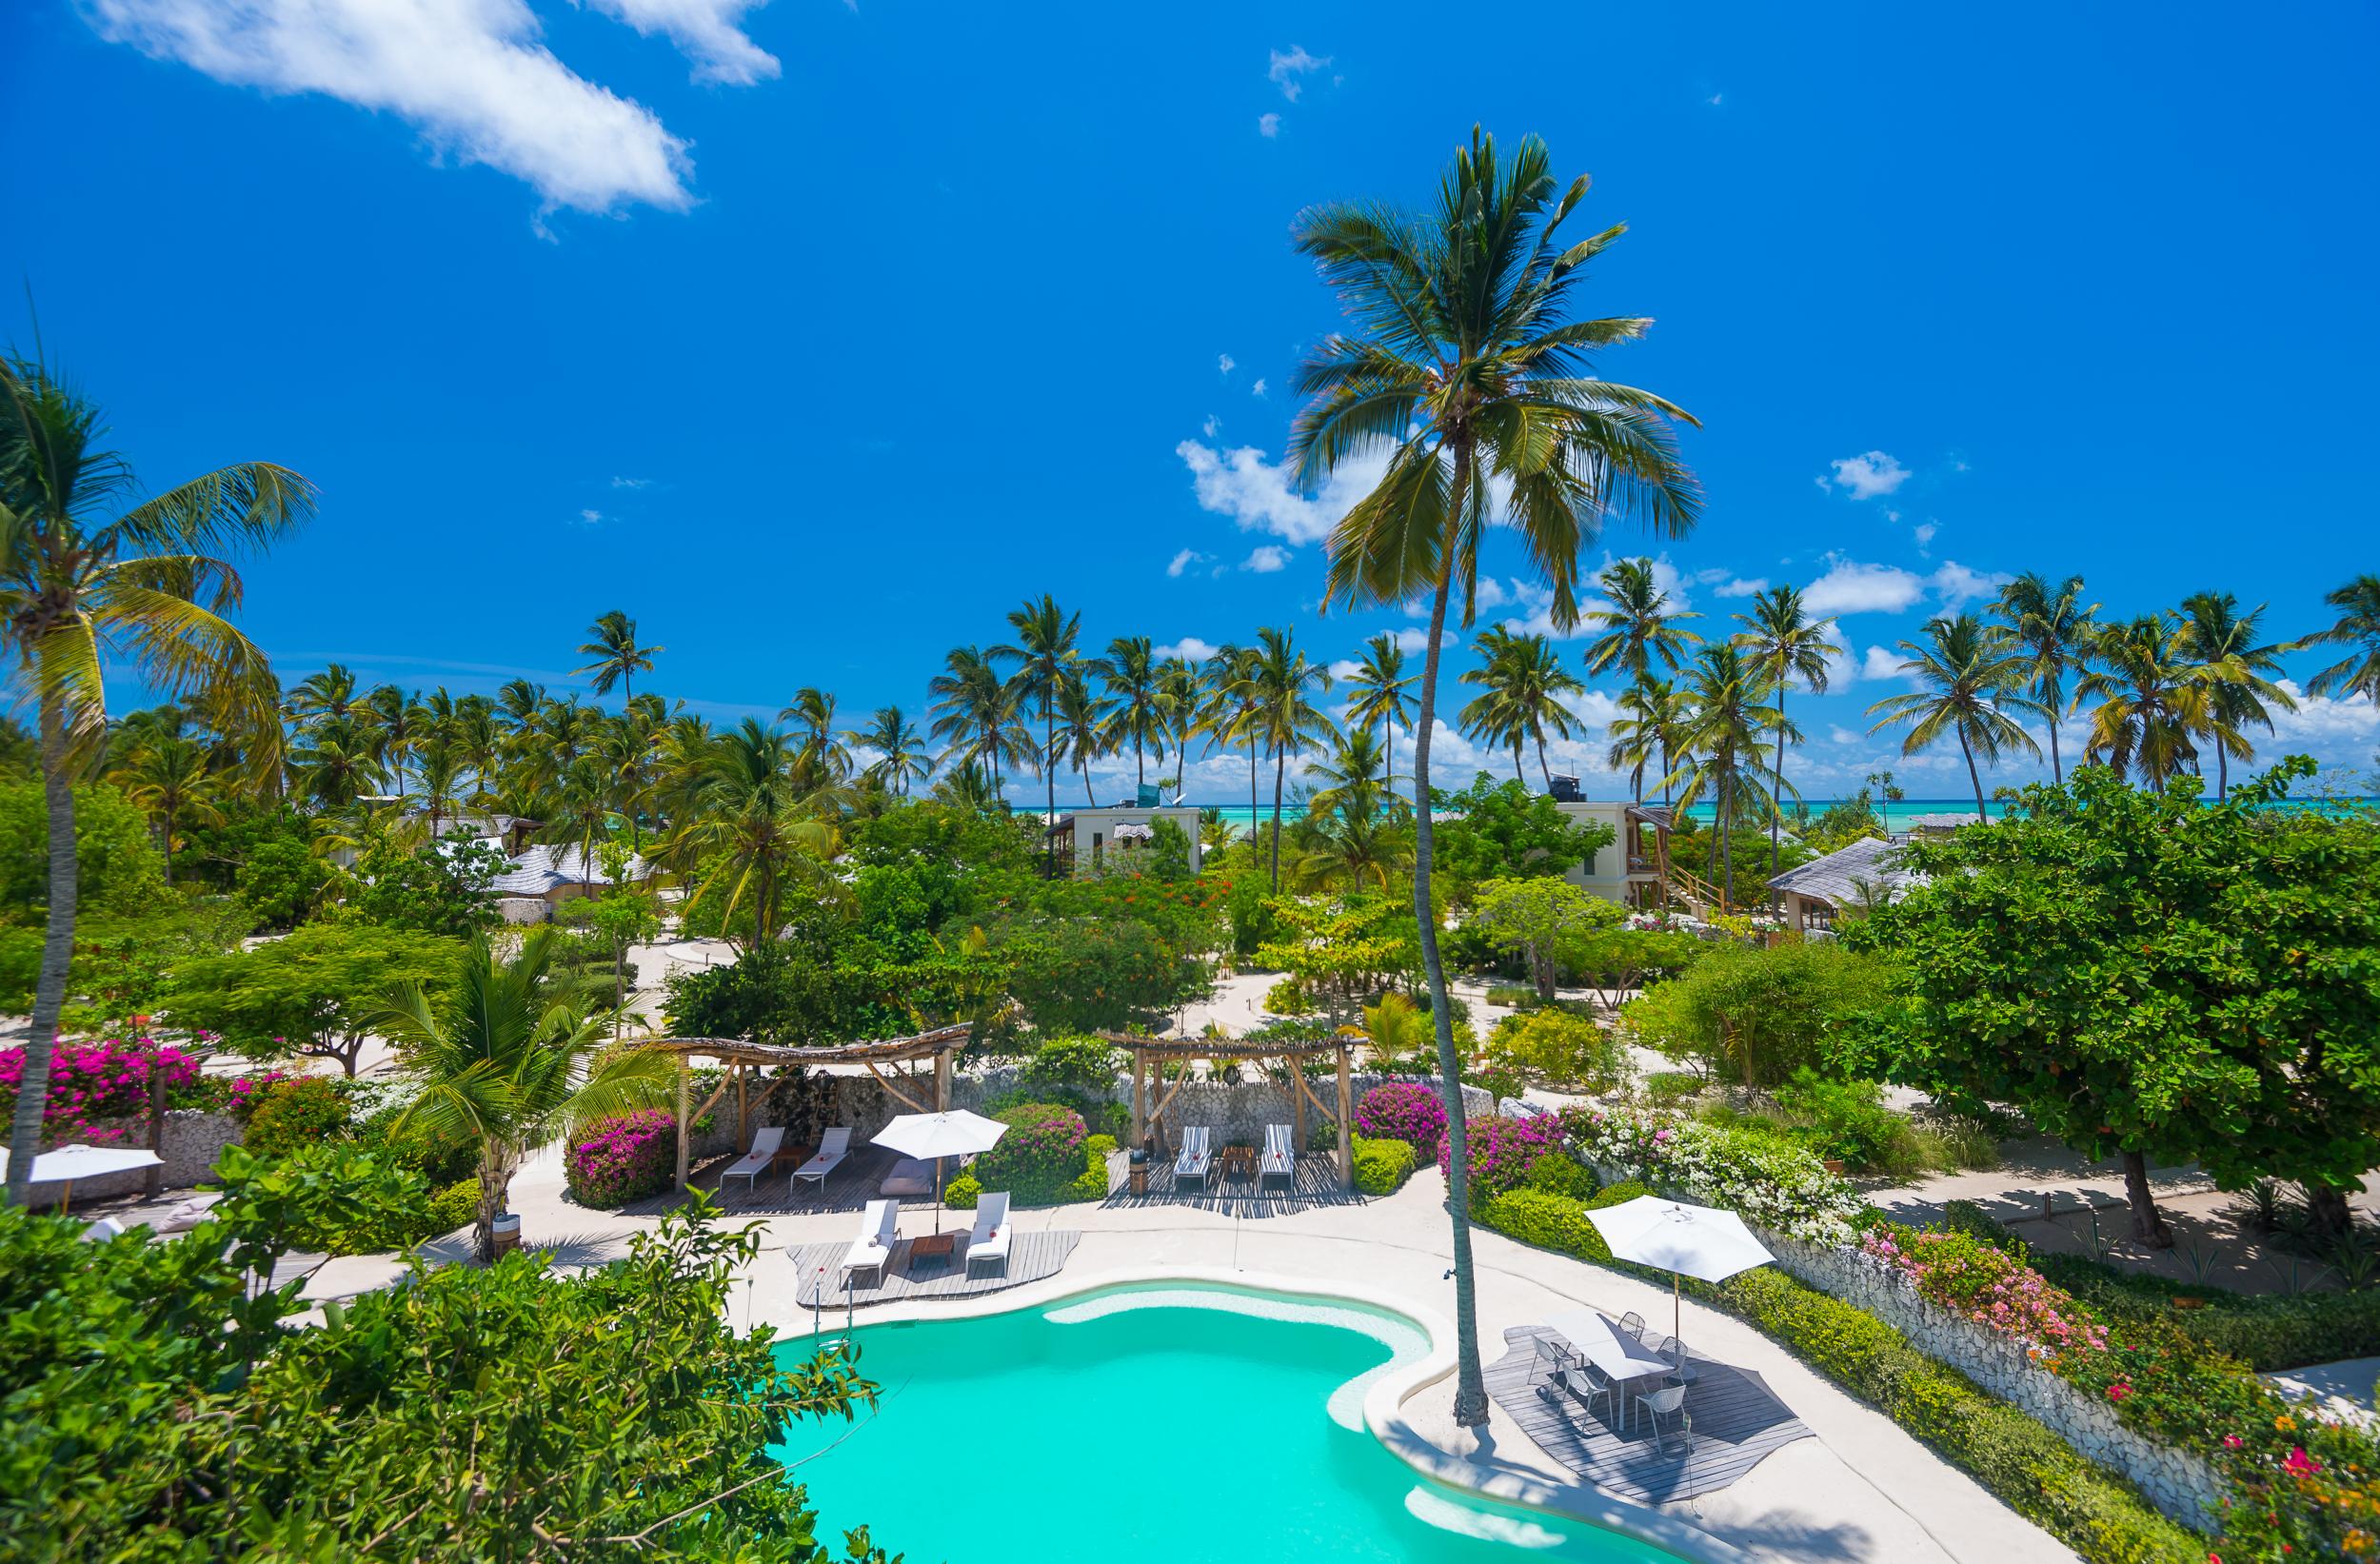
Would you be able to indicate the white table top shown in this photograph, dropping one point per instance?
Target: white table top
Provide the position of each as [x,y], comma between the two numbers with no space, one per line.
[1604,1345]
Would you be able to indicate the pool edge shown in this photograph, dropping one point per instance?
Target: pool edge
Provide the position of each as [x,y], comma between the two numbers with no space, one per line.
[1384,1403]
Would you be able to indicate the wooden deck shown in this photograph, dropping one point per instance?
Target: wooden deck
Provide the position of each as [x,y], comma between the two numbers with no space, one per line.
[1315,1184]
[1032,1256]
[1736,1421]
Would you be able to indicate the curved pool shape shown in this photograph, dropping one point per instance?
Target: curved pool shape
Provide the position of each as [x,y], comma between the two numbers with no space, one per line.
[1182,1423]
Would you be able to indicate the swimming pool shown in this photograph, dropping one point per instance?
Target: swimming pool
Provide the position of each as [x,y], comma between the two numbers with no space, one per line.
[1183,1423]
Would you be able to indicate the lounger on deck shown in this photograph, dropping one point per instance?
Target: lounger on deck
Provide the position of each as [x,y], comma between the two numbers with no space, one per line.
[989,1241]
[765,1142]
[1280,1155]
[832,1148]
[879,1231]
[1195,1156]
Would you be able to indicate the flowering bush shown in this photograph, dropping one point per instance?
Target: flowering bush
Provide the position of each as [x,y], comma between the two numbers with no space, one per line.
[295,1113]
[621,1159]
[1042,1155]
[1416,1115]
[93,1083]
[249,1091]
[1781,1186]
[1969,1277]
[1501,1150]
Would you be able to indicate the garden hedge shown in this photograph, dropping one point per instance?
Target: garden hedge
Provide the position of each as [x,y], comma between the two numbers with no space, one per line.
[1381,1166]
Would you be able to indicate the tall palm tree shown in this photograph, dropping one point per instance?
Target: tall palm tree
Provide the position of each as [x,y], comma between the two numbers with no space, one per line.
[1132,683]
[1228,712]
[1635,735]
[2152,705]
[1180,690]
[439,768]
[168,779]
[2239,675]
[576,811]
[330,693]
[1356,781]
[479,743]
[1522,681]
[967,785]
[92,575]
[1282,686]
[755,827]
[1469,367]
[2053,624]
[1042,652]
[629,748]
[1639,627]
[506,1062]
[1973,681]
[812,714]
[397,723]
[899,749]
[2358,626]
[619,657]
[1786,645]
[1722,749]
[975,713]
[1081,728]
[1382,690]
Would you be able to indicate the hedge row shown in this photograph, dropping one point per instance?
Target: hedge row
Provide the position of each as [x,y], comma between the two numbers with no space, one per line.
[1381,1166]
[2028,1468]
[962,1193]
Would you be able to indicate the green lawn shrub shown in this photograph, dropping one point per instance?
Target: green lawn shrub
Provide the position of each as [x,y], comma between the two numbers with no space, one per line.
[294,1112]
[1381,1166]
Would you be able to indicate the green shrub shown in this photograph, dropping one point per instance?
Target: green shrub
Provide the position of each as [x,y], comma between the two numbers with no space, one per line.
[1563,1175]
[1847,1119]
[1041,1159]
[454,1206]
[1091,1184]
[1100,1145]
[962,1193]
[1381,1166]
[1512,995]
[295,1113]
[1667,1088]
[1072,1066]
[1565,1049]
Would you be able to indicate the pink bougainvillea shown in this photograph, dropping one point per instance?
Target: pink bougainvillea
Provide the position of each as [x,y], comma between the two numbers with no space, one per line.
[1993,1289]
[623,1159]
[95,1086]
[1501,1150]
[1401,1110]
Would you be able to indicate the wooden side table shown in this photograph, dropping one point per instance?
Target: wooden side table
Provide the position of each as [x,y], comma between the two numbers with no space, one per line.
[933,1246]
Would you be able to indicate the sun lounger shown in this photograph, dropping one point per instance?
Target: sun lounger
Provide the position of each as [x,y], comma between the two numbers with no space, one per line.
[1195,1156]
[754,1162]
[989,1241]
[910,1176]
[1280,1155]
[832,1148]
[879,1231]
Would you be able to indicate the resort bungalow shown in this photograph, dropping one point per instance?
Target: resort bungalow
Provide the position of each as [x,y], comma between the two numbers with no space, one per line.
[1629,870]
[542,878]
[1089,836]
[1851,879]
[1941,825]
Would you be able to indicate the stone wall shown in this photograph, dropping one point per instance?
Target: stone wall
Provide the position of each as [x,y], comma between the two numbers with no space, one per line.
[195,1139]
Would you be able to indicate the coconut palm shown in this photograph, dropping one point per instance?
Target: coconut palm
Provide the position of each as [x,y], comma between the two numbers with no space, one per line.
[1972,679]
[479,743]
[619,657]
[1471,373]
[577,812]
[975,713]
[901,755]
[2358,626]
[2239,675]
[755,827]
[1356,781]
[1722,749]
[1639,626]
[1786,645]
[1382,690]
[812,715]
[397,723]
[2053,624]
[439,770]
[1082,729]
[1281,685]
[1180,690]
[629,748]
[166,777]
[1043,649]
[1633,734]
[1228,712]
[1522,681]
[330,693]
[90,576]
[1350,853]
[2152,705]
[1132,683]
[967,785]
[507,1063]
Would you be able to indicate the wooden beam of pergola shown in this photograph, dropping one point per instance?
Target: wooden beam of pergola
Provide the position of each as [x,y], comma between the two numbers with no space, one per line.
[1146,1051]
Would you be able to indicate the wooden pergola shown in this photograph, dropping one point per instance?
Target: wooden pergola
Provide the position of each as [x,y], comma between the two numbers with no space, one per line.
[1150,1098]
[741,1055]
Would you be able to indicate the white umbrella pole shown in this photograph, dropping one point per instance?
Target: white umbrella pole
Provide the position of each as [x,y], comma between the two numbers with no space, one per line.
[937,1197]
[1676,1309]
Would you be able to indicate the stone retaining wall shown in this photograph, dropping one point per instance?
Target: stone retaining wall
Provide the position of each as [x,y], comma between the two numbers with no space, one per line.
[195,1139]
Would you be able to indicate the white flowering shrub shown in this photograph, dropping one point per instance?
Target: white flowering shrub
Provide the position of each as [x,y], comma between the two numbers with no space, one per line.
[1781,1187]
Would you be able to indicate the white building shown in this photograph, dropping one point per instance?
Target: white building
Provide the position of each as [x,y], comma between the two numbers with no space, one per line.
[1628,869]
[1093,837]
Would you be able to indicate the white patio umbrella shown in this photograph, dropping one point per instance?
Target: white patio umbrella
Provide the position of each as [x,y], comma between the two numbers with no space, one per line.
[935,1136]
[1686,1240]
[68,1163]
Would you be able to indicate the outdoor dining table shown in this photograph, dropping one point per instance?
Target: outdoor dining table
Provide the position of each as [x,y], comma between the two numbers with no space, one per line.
[1622,1357]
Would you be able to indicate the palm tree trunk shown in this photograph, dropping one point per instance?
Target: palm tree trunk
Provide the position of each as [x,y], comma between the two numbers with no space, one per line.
[1517,775]
[1544,770]
[1049,779]
[57,955]
[495,1178]
[1727,836]
[1255,810]
[2058,771]
[1139,772]
[1972,775]
[1470,1402]
[1089,798]
[2221,789]
[1281,768]
[1776,791]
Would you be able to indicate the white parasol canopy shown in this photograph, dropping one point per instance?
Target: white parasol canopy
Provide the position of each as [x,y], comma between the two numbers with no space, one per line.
[68,1163]
[1691,1241]
[931,1137]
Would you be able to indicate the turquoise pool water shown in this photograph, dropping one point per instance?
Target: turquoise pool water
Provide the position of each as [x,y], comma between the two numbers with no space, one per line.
[1150,1425]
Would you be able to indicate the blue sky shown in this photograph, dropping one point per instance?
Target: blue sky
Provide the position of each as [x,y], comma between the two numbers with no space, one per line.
[818,335]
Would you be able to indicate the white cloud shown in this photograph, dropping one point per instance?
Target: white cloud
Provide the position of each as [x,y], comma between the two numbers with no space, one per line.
[1268,126]
[1242,484]
[1346,667]
[590,517]
[1741,586]
[1487,593]
[1258,390]
[2323,720]
[1285,70]
[1715,99]
[1416,639]
[1185,560]
[1212,427]
[1866,476]
[1189,646]
[471,75]
[1841,669]
[632,482]
[1841,734]
[1225,363]
[1881,665]
[1956,585]
[1851,588]
[1265,559]
[1924,532]
[705,31]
